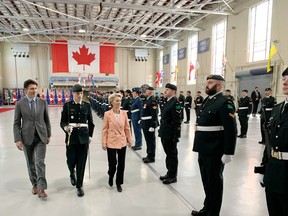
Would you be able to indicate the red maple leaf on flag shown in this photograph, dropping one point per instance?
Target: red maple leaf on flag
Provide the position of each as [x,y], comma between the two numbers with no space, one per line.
[83,58]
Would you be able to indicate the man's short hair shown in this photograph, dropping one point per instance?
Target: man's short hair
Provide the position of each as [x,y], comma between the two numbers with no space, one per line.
[29,82]
[228,90]
[189,92]
[245,90]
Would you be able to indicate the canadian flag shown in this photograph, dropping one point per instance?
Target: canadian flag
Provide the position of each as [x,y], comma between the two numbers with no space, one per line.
[79,57]
[14,97]
[51,97]
[43,94]
[59,97]
[67,95]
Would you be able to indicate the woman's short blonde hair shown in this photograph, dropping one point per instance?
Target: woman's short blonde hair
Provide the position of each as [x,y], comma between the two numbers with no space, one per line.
[113,96]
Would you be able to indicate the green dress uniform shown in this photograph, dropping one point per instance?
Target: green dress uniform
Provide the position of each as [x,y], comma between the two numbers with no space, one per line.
[198,103]
[181,100]
[215,136]
[244,110]
[80,116]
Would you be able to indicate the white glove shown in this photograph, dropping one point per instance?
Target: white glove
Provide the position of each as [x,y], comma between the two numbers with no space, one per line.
[151,129]
[68,129]
[248,116]
[261,179]
[226,159]
[90,139]
[139,121]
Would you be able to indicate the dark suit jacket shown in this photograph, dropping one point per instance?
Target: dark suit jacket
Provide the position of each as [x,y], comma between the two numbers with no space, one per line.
[276,174]
[215,112]
[25,123]
[254,96]
[73,113]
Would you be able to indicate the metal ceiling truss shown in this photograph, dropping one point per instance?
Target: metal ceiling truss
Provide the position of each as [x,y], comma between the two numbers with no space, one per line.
[127,23]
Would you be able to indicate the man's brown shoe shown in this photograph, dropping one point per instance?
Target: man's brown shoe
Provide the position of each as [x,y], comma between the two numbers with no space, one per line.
[34,190]
[42,194]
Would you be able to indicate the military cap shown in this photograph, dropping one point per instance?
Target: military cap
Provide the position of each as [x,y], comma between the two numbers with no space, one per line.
[285,72]
[171,86]
[215,77]
[150,88]
[136,89]
[77,88]
[267,89]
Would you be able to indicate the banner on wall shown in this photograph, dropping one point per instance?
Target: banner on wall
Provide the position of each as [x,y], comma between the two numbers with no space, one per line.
[82,57]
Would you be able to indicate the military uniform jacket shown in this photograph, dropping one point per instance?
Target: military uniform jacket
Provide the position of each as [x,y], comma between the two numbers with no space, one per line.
[267,105]
[188,101]
[245,106]
[181,100]
[198,101]
[76,113]
[136,108]
[170,123]
[217,111]
[150,109]
[126,106]
[276,174]
[162,102]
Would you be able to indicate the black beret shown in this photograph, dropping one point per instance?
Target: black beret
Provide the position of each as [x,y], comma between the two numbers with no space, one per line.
[150,88]
[136,89]
[285,72]
[267,89]
[171,86]
[77,88]
[215,77]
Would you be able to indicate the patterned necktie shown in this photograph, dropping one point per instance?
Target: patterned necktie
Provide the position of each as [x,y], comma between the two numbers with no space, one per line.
[33,107]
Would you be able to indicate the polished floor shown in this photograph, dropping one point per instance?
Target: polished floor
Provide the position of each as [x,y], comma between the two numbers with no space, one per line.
[143,193]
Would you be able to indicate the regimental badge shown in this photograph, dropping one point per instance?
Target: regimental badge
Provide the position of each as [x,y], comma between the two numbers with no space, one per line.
[154,107]
[178,107]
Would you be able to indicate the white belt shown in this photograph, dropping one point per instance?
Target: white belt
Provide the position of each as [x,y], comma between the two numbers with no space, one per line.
[135,110]
[240,108]
[78,125]
[279,155]
[268,109]
[186,102]
[209,128]
[198,104]
[146,117]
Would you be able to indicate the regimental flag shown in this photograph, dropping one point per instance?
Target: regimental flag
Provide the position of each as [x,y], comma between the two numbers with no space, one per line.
[158,77]
[92,80]
[43,94]
[71,95]
[55,97]
[191,68]
[51,97]
[272,52]
[59,96]
[15,97]
[176,72]
[67,95]
[18,95]
[197,67]
[47,97]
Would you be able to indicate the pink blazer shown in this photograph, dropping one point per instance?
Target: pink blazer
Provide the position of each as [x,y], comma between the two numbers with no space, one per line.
[116,134]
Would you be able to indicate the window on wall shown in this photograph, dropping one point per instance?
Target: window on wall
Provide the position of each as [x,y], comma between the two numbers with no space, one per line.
[160,72]
[192,56]
[173,64]
[260,31]
[218,47]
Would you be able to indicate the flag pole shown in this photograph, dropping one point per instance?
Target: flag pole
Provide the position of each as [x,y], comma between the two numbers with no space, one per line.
[275,42]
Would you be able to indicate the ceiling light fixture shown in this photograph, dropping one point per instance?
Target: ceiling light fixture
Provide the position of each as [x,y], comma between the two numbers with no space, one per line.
[81,31]
[25,29]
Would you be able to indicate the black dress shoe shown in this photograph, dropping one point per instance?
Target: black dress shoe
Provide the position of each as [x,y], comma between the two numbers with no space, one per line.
[80,192]
[136,148]
[239,135]
[110,181]
[261,142]
[119,188]
[147,160]
[144,158]
[199,213]
[186,122]
[164,177]
[169,180]
[73,179]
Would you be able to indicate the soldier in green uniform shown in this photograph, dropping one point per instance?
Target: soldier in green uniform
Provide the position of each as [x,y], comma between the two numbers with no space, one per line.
[268,103]
[215,141]
[170,132]
[244,111]
[276,173]
[77,123]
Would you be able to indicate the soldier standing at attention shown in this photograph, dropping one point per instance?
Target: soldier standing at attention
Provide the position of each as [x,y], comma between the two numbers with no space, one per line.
[268,103]
[149,122]
[170,132]
[188,104]
[136,108]
[77,122]
[215,140]
[198,102]
[181,100]
[228,95]
[244,111]
[276,173]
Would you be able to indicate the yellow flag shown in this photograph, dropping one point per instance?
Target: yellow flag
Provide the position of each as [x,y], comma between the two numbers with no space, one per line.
[272,52]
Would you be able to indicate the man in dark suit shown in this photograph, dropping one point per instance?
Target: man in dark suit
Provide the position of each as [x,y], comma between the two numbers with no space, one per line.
[276,173]
[149,122]
[188,105]
[32,132]
[215,140]
[77,123]
[256,97]
[170,132]
[244,111]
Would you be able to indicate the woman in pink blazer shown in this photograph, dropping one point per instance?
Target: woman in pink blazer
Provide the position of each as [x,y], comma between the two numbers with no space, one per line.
[116,136]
